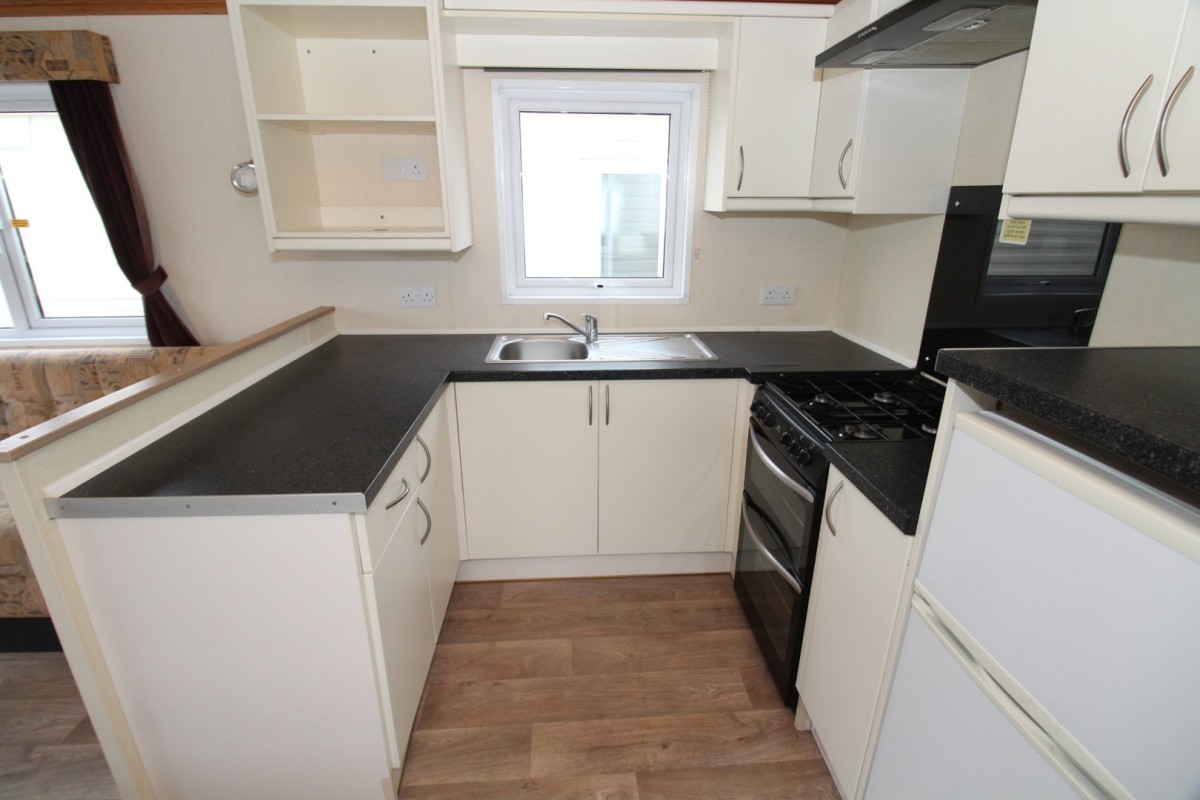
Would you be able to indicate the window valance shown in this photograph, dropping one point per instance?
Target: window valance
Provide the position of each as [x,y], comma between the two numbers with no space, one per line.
[56,56]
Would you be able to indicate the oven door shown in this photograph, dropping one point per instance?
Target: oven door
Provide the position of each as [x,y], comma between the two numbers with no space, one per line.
[776,548]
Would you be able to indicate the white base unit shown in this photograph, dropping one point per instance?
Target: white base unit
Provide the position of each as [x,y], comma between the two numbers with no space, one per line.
[857,595]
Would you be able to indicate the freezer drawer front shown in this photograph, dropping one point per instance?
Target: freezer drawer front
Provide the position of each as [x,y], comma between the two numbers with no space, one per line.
[943,739]
[1059,570]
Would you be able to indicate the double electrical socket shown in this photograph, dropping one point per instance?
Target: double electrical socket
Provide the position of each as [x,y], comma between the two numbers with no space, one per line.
[404,169]
[779,295]
[418,297]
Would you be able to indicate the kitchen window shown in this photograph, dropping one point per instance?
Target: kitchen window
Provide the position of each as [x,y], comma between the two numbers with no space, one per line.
[59,279]
[596,184]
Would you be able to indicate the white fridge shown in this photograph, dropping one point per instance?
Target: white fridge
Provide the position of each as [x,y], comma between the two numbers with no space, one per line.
[1052,647]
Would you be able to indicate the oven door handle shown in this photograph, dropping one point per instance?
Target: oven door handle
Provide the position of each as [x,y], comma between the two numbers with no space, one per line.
[788,481]
[767,554]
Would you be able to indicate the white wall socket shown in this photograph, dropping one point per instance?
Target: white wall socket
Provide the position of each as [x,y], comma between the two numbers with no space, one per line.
[418,297]
[411,168]
[779,295]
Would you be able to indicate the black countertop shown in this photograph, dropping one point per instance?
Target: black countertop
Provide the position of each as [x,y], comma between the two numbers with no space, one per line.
[324,432]
[1137,403]
[891,474]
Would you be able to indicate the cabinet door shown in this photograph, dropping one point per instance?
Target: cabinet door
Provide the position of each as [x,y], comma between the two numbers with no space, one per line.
[775,108]
[666,451]
[858,590]
[833,171]
[398,596]
[1085,69]
[529,467]
[437,502]
[1180,117]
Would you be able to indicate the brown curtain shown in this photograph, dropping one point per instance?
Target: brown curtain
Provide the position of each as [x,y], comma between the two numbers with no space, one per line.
[90,120]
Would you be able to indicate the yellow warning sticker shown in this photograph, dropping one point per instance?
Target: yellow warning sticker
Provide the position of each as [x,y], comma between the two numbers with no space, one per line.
[1015,231]
[20,223]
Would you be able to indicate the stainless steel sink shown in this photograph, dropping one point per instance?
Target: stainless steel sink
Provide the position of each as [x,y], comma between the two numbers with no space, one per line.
[541,348]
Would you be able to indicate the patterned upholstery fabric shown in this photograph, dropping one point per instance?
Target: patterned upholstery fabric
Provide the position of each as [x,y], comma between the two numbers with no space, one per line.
[37,385]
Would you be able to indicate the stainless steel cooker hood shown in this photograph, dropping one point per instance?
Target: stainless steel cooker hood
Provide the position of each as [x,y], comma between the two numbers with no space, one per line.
[937,33]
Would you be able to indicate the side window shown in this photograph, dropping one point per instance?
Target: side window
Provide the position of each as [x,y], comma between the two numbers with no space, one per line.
[596,183]
[58,274]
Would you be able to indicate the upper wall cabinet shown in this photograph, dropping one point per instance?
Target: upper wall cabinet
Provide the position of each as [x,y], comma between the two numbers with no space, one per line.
[1110,114]
[763,116]
[356,124]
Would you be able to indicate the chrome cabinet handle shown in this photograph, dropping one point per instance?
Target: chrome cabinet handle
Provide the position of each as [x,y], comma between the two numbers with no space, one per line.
[842,160]
[403,494]
[1122,140]
[779,473]
[771,559]
[428,521]
[428,459]
[742,170]
[589,406]
[607,414]
[1164,119]
[828,507]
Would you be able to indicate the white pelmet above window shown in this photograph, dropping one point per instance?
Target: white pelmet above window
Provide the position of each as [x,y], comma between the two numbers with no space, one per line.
[596,183]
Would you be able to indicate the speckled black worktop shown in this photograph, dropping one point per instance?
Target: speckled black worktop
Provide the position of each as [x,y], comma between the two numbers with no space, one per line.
[891,474]
[323,433]
[1137,403]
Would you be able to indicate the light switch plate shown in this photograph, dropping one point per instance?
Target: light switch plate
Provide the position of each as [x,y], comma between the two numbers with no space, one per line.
[418,297]
[779,295]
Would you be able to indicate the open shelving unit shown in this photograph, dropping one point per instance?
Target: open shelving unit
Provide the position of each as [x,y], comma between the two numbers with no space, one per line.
[353,135]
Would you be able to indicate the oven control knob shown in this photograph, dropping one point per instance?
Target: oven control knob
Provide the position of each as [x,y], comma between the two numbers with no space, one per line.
[787,440]
[768,419]
[803,457]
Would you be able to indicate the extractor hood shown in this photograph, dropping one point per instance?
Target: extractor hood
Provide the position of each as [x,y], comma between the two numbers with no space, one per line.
[937,33]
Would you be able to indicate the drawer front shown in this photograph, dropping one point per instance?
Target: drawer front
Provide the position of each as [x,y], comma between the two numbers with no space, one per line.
[389,506]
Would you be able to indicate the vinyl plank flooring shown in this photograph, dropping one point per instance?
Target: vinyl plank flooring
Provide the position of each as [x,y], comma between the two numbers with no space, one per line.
[26,676]
[760,687]
[538,658]
[58,772]
[792,780]
[679,588]
[39,721]
[600,619]
[590,787]
[460,755]
[583,697]
[664,651]
[668,742]
[476,595]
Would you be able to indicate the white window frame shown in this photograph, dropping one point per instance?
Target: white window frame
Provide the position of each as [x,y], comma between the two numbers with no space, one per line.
[681,100]
[29,326]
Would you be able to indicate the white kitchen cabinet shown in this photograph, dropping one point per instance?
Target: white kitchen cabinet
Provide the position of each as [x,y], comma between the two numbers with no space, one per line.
[236,642]
[886,139]
[666,449]
[857,596]
[554,468]
[356,125]
[529,467]
[764,112]
[436,496]
[1094,100]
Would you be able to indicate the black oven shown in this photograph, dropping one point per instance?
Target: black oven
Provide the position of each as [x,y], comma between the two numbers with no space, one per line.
[794,421]
[781,502]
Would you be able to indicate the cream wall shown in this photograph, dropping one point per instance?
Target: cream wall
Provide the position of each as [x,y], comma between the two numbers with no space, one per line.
[1152,297]
[181,112]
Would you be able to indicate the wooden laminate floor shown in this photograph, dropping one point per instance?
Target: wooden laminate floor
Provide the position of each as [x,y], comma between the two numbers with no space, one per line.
[613,688]
[605,688]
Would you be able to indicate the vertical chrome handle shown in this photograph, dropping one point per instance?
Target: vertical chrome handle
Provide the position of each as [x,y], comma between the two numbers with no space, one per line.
[606,404]
[742,170]
[1122,140]
[403,494]
[828,506]
[842,160]
[428,459]
[428,521]
[589,406]
[1164,119]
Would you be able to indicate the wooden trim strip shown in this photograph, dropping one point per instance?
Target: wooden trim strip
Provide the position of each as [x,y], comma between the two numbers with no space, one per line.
[39,436]
[83,8]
